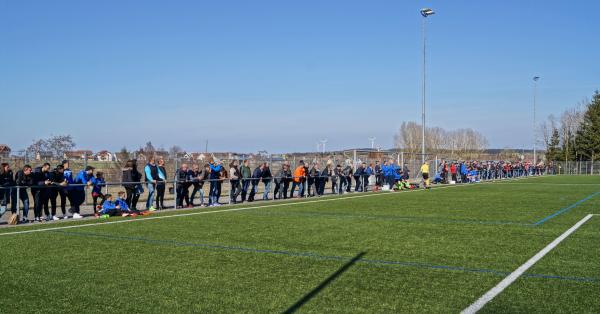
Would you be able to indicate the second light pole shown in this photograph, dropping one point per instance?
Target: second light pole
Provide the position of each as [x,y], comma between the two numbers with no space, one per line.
[425,12]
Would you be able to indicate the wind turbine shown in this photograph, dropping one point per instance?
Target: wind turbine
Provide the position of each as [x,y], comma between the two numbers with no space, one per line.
[323,142]
[372,139]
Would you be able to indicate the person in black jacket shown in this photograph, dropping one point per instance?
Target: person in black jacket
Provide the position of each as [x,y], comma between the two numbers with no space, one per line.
[358,178]
[282,182]
[8,194]
[256,176]
[183,184]
[131,179]
[266,179]
[41,193]
[24,179]
[161,184]
[58,182]
[198,176]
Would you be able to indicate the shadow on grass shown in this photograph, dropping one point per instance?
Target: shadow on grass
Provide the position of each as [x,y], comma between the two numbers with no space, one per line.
[324,284]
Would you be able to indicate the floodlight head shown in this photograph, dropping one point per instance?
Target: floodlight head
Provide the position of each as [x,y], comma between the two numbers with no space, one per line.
[536,78]
[425,12]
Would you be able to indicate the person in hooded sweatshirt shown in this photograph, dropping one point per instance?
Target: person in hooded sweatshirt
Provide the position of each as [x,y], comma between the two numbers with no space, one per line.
[215,176]
[84,179]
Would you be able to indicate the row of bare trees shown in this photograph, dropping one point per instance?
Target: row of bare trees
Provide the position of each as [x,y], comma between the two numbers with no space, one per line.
[464,143]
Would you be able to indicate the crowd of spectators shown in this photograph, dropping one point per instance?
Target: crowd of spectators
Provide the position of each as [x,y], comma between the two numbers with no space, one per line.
[50,187]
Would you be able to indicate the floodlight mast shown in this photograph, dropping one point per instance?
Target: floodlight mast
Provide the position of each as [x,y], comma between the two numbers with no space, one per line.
[535,80]
[425,12]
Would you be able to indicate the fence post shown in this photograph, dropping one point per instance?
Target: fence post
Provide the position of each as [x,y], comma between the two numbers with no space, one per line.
[85,164]
[230,190]
[174,183]
[402,156]
[17,200]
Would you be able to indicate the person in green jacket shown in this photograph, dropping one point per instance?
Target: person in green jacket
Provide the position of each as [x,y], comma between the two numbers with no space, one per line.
[246,174]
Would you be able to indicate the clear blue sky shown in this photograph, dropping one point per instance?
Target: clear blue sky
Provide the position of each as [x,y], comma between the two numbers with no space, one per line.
[279,75]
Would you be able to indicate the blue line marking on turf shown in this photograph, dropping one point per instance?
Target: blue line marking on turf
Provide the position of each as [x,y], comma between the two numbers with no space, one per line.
[391,218]
[322,257]
[566,209]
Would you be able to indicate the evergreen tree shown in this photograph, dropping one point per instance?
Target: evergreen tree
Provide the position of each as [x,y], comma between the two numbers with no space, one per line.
[554,152]
[588,137]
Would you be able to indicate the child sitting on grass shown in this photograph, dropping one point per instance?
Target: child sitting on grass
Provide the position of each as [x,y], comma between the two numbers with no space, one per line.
[122,203]
[110,208]
[402,185]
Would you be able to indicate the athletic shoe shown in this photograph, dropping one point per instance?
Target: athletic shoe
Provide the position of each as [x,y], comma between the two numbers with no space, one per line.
[77,216]
[105,216]
[55,218]
[151,208]
[2,210]
[134,215]
[124,214]
[65,216]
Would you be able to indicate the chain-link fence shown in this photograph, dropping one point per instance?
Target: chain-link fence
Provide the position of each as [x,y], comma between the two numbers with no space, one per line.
[576,167]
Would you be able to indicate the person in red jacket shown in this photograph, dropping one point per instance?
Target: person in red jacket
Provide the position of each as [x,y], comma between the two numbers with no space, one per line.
[453,171]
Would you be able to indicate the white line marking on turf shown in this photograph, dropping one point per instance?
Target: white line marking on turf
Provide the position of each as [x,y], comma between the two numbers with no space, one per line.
[492,293]
[238,209]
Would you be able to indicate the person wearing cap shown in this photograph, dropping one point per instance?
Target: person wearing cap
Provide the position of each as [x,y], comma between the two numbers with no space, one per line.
[83,179]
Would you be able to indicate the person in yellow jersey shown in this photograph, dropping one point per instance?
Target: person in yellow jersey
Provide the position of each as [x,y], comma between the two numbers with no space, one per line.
[425,174]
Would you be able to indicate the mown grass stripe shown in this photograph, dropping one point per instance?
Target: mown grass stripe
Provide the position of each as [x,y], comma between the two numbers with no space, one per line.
[319,256]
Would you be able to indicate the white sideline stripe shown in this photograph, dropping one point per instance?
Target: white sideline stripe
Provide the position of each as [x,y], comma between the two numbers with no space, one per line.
[234,209]
[488,296]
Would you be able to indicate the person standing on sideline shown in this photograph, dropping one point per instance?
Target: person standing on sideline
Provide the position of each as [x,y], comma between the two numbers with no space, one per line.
[425,174]
[215,176]
[235,181]
[130,180]
[151,172]
[358,178]
[183,184]
[58,185]
[339,174]
[97,192]
[266,178]
[8,194]
[282,182]
[197,177]
[256,177]
[41,195]
[24,179]
[246,174]
[298,180]
[161,184]
[64,191]
[83,179]
[367,173]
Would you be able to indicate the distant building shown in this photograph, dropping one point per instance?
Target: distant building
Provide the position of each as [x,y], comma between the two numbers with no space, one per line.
[79,154]
[105,155]
[43,155]
[4,151]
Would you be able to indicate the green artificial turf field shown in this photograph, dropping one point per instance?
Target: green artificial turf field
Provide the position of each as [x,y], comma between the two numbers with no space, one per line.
[419,251]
